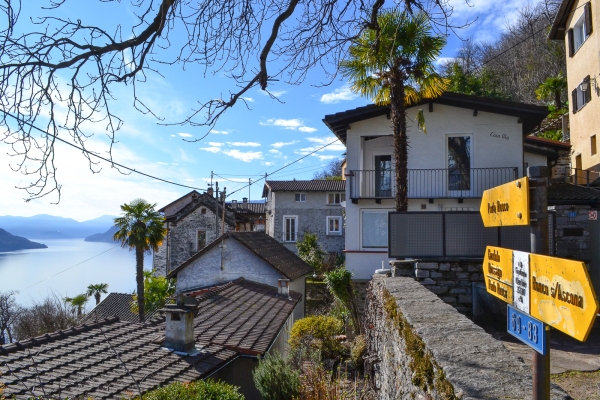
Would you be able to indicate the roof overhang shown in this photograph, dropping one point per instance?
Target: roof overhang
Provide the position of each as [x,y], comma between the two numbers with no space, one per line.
[530,115]
[559,26]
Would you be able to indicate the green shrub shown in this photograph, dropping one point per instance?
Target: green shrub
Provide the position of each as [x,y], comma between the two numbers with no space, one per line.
[276,379]
[197,390]
[358,351]
[317,333]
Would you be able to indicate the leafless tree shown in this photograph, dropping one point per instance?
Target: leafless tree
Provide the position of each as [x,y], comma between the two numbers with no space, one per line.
[9,311]
[45,316]
[54,62]
[333,170]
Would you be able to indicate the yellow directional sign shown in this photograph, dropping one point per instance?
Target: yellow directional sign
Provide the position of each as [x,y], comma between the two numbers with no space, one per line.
[506,205]
[498,272]
[562,295]
[556,291]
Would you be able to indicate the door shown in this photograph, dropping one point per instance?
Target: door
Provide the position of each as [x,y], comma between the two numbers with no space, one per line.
[383,176]
[459,163]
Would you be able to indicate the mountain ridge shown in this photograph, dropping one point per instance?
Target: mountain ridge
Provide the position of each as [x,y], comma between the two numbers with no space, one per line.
[45,226]
[9,242]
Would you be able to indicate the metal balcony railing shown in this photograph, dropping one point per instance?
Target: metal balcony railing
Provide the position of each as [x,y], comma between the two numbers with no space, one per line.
[584,177]
[429,183]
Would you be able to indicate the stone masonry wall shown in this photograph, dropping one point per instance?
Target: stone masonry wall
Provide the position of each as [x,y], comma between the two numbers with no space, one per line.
[421,348]
[451,280]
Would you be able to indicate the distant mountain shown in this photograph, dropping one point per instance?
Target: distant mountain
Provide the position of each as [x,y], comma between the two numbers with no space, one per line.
[50,227]
[9,242]
[103,237]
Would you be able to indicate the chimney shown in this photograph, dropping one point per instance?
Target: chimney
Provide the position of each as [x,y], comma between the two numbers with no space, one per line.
[179,331]
[283,288]
[209,191]
[245,201]
[234,203]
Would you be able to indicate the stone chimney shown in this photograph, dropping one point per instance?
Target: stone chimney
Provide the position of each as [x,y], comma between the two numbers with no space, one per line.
[209,191]
[245,203]
[283,288]
[179,331]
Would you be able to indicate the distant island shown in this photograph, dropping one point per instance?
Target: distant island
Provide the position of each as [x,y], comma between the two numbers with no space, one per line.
[10,242]
[102,237]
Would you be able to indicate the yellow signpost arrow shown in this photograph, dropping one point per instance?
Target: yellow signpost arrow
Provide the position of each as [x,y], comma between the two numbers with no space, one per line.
[556,291]
[506,205]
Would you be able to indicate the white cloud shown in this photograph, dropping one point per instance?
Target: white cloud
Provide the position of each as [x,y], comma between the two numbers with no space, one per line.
[444,60]
[245,156]
[244,144]
[182,134]
[323,158]
[211,149]
[320,142]
[215,144]
[340,94]
[276,93]
[172,135]
[248,99]
[163,163]
[268,163]
[279,145]
[216,132]
[292,124]
[274,151]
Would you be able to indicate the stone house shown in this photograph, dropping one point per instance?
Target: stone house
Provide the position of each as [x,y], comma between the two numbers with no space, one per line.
[316,206]
[577,24]
[193,221]
[249,217]
[254,256]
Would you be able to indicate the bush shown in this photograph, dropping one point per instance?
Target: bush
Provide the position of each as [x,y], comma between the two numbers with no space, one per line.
[358,351]
[275,378]
[310,251]
[317,333]
[197,390]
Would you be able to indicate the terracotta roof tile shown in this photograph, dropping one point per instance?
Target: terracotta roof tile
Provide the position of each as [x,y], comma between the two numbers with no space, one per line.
[116,304]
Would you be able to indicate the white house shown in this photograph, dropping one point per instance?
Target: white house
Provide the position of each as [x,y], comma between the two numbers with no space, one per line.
[472,144]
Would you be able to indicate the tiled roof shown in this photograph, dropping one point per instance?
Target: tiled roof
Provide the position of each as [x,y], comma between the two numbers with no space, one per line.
[247,208]
[264,246]
[119,305]
[565,193]
[203,200]
[181,198]
[105,360]
[558,29]
[315,185]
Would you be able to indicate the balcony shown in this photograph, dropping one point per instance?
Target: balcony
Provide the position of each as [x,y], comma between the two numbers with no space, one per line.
[429,183]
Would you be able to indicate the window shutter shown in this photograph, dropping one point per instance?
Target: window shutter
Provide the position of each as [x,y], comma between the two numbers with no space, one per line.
[574,100]
[588,93]
[571,42]
[588,18]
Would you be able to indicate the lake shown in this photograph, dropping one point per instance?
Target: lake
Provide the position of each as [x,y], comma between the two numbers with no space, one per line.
[37,273]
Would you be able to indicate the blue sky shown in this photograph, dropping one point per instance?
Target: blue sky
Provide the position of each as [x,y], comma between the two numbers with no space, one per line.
[259,136]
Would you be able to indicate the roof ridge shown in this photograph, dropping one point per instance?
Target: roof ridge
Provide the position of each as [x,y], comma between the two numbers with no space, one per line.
[60,334]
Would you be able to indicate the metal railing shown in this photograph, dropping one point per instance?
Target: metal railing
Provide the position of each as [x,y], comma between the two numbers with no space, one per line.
[584,177]
[429,183]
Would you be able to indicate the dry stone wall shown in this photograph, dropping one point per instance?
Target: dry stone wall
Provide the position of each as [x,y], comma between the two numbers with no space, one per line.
[421,348]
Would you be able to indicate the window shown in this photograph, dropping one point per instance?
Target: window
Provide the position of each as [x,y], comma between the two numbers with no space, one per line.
[200,240]
[582,94]
[383,176]
[581,30]
[300,197]
[375,229]
[459,163]
[335,198]
[203,211]
[290,228]
[334,225]
[593,144]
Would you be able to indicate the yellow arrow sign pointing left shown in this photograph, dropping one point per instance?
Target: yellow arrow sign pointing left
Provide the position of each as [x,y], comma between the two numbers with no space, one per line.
[506,205]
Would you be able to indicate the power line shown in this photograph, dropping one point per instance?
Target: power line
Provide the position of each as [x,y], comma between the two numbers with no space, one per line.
[97,156]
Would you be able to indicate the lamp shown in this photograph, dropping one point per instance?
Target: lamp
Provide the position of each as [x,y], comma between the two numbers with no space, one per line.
[585,85]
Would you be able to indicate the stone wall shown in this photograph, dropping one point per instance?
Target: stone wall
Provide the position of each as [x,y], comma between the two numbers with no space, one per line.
[572,233]
[451,280]
[421,348]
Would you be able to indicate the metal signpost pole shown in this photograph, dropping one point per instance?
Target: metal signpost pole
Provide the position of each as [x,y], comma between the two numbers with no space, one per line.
[538,186]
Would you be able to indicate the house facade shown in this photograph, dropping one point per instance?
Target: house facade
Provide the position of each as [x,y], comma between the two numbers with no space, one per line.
[193,221]
[577,24]
[472,144]
[249,217]
[296,207]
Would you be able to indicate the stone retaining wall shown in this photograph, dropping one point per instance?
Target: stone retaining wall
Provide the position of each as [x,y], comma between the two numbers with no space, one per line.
[421,348]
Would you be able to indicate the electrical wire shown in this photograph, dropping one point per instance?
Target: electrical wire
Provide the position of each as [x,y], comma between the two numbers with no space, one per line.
[97,156]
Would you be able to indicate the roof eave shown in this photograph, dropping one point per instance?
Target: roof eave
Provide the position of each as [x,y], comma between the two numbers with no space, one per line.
[558,29]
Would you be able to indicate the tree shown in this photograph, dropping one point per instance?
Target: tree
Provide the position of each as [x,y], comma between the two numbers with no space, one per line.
[156,291]
[97,290]
[46,316]
[141,229]
[339,283]
[77,302]
[553,88]
[310,251]
[64,73]
[333,171]
[9,311]
[395,66]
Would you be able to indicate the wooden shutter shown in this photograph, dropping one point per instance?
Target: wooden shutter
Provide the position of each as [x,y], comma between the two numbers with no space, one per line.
[574,100]
[571,43]
[588,18]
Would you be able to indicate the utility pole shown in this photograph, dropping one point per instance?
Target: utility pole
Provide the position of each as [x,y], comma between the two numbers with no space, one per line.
[249,184]
[223,226]
[538,187]
[216,210]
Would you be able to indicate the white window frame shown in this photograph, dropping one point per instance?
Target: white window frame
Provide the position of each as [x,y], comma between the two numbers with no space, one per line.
[333,218]
[341,196]
[300,197]
[583,97]
[284,230]
[371,210]
[579,33]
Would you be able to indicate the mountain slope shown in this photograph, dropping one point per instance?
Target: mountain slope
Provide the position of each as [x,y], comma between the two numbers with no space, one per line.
[103,237]
[9,242]
[50,227]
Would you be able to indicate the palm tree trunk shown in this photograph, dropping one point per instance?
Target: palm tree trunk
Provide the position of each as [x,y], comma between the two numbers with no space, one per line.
[139,277]
[97,296]
[398,117]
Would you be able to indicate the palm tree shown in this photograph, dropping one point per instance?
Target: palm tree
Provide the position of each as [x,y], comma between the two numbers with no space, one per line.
[77,301]
[97,290]
[552,88]
[140,228]
[394,65]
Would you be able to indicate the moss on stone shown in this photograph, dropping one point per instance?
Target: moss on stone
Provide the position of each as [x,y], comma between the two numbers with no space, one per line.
[422,364]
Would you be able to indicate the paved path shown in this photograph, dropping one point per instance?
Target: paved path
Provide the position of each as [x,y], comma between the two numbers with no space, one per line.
[566,353]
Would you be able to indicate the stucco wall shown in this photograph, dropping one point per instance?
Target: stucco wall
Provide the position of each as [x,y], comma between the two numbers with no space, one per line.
[182,239]
[586,61]
[312,216]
